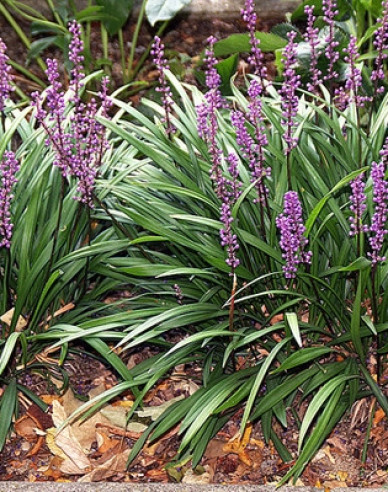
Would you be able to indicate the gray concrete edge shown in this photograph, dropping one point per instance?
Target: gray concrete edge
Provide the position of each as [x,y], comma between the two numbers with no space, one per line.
[159,487]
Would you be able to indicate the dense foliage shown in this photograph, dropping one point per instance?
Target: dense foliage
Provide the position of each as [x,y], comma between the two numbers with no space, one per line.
[253,224]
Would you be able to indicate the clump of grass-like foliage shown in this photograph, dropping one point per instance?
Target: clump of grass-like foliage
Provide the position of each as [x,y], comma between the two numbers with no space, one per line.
[260,224]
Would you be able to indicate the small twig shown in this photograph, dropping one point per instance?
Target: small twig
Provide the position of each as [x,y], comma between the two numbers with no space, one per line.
[118,431]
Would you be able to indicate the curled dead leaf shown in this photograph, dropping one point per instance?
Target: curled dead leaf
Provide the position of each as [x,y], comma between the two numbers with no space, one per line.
[25,427]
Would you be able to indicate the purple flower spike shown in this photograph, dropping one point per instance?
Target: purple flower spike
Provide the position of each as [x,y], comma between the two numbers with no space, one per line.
[9,166]
[329,13]
[78,147]
[381,45]
[213,79]
[384,152]
[254,154]
[76,48]
[292,241]
[229,239]
[311,37]
[231,194]
[287,92]
[5,76]
[354,81]
[256,58]
[207,123]
[167,98]
[55,101]
[358,206]
[234,183]
[378,228]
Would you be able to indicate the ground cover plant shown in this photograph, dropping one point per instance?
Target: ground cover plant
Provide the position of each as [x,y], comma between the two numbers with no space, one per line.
[254,224]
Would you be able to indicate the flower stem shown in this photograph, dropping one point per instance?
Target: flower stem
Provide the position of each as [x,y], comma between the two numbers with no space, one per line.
[375,319]
[135,38]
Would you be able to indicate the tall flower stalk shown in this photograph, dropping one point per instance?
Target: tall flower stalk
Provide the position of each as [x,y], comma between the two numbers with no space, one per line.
[377,232]
[231,194]
[8,169]
[253,152]
[207,117]
[256,58]
[227,191]
[330,11]
[354,80]
[9,166]
[289,99]
[6,77]
[292,241]
[378,228]
[161,63]
[311,37]
[357,207]
[79,148]
[381,45]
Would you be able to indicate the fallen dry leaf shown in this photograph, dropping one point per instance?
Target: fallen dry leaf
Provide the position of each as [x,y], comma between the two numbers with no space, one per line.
[108,469]
[342,475]
[155,412]
[193,477]
[52,470]
[123,403]
[75,462]
[338,445]
[158,475]
[117,416]
[84,431]
[25,427]
[104,442]
[7,319]
[118,431]
[333,484]
[43,419]
[237,445]
[327,452]
[379,416]
[48,399]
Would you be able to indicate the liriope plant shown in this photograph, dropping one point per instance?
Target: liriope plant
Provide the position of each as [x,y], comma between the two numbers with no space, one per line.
[268,210]
[260,224]
[56,232]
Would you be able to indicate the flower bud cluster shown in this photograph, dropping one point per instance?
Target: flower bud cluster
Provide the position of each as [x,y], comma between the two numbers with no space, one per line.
[289,98]
[207,123]
[378,228]
[9,166]
[253,152]
[311,37]
[358,206]
[292,241]
[230,195]
[354,80]
[78,147]
[256,58]
[381,45]
[5,76]
[161,63]
[329,12]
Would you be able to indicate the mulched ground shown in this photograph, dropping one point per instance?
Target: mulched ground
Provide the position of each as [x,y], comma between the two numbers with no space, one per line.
[184,39]
[30,456]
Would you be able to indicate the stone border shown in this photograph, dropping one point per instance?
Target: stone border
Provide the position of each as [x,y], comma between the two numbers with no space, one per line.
[204,8]
[162,487]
